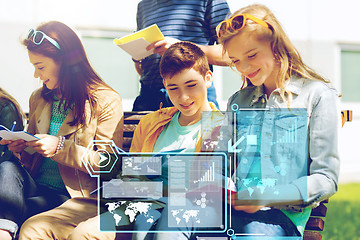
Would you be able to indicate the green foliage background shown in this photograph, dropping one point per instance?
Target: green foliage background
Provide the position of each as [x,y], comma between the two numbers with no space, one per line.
[343,215]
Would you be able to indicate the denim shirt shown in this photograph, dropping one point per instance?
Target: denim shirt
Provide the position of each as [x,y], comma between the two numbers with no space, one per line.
[318,179]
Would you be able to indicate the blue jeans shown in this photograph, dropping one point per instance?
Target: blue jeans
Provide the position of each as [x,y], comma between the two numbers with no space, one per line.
[21,198]
[150,98]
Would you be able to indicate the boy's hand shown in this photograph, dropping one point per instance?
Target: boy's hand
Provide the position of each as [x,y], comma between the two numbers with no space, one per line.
[46,146]
[239,205]
[248,209]
[16,146]
[161,46]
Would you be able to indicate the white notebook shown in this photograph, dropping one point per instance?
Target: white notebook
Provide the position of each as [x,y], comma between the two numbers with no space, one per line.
[11,135]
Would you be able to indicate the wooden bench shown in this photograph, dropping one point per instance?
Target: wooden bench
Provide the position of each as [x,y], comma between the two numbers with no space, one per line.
[317,220]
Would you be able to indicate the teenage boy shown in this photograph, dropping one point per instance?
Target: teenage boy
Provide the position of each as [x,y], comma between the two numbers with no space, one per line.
[186,77]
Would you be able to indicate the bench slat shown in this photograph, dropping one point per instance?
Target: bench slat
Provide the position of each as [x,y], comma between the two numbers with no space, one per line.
[315,224]
[127,144]
[135,115]
[310,235]
[319,211]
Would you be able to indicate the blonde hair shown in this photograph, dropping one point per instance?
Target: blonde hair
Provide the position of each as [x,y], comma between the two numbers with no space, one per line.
[285,53]
[7,96]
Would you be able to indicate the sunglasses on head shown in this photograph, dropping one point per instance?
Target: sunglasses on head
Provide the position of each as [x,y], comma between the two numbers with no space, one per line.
[236,23]
[38,36]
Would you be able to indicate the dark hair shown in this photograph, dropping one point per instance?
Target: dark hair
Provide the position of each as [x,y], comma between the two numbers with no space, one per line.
[77,79]
[181,56]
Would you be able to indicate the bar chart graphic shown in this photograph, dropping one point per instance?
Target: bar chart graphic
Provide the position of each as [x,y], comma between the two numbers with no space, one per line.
[291,134]
[209,175]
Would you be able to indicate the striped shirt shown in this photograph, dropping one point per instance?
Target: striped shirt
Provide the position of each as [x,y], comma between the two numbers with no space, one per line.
[186,20]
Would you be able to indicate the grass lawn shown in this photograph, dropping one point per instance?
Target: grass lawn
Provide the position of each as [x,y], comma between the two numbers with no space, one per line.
[343,215]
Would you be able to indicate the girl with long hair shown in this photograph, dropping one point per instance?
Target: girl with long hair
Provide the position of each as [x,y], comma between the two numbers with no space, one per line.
[275,77]
[73,110]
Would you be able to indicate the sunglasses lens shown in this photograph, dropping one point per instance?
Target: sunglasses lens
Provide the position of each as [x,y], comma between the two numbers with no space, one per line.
[31,33]
[238,22]
[38,37]
[222,28]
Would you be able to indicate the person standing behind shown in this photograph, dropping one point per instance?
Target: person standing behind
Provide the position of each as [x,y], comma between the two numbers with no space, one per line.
[72,109]
[187,20]
[11,117]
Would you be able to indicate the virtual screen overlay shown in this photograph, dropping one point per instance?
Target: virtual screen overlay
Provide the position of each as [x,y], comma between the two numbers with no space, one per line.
[175,190]
[267,149]
[253,153]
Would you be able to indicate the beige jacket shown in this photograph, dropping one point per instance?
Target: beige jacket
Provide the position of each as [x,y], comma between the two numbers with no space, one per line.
[75,157]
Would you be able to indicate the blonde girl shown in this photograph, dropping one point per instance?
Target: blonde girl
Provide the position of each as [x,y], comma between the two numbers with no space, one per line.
[274,76]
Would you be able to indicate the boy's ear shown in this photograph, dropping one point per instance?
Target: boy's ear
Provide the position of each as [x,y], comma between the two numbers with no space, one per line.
[164,83]
[208,79]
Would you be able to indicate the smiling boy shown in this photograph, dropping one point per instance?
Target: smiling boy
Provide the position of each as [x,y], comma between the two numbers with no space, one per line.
[184,127]
[186,77]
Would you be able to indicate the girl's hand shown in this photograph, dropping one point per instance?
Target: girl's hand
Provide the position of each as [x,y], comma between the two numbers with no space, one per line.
[16,146]
[46,146]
